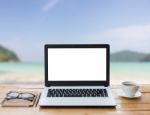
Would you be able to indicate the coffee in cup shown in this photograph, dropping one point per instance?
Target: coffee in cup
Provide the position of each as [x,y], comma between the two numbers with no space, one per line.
[129,88]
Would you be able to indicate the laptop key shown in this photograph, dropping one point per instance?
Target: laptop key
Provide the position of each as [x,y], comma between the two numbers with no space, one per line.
[77,93]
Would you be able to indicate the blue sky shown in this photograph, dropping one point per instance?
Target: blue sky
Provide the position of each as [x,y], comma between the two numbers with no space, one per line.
[26,25]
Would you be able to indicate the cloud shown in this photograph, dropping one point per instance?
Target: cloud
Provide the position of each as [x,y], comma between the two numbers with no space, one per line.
[49,5]
[30,48]
[133,33]
[135,37]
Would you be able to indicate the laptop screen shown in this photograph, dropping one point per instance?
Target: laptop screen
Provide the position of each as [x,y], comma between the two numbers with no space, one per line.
[77,64]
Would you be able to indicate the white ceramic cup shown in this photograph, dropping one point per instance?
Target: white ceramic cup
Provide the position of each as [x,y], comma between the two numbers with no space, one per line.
[129,88]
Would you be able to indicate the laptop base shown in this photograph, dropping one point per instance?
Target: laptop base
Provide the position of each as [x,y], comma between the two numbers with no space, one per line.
[77,101]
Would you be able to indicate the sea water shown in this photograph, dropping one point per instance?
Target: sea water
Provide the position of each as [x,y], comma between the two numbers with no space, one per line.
[21,67]
[118,70]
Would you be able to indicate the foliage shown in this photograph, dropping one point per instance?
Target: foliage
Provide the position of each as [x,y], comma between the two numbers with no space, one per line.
[7,55]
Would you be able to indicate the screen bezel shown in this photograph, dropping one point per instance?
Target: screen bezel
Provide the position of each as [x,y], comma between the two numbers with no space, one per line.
[77,83]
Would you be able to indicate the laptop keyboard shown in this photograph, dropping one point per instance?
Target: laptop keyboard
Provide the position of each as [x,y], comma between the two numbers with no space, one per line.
[77,93]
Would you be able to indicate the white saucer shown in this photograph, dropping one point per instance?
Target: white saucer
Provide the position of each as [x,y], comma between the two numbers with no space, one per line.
[137,95]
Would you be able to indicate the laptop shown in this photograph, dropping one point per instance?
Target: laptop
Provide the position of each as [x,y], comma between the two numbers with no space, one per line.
[77,75]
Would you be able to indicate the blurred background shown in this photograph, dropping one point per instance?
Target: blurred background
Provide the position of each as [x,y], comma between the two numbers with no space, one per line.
[26,25]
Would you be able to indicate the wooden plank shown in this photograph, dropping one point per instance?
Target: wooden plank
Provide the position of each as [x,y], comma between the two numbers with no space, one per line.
[133,107]
[75,111]
[79,112]
[145,88]
[125,106]
[144,99]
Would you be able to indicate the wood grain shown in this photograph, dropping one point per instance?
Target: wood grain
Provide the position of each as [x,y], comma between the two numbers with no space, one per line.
[139,106]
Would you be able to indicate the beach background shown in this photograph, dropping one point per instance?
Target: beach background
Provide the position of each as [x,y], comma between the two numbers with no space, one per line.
[27,25]
[23,73]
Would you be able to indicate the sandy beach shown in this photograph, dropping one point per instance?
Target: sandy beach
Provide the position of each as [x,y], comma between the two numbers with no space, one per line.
[22,77]
[38,77]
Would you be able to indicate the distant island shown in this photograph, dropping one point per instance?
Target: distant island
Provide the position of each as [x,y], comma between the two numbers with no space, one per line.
[7,55]
[129,56]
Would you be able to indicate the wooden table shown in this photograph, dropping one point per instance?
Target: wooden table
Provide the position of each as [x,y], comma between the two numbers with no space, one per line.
[124,106]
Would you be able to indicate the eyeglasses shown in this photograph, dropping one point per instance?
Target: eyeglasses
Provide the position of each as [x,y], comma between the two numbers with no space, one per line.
[20,95]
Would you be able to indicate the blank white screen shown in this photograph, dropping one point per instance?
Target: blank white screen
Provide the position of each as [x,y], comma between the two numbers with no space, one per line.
[76,64]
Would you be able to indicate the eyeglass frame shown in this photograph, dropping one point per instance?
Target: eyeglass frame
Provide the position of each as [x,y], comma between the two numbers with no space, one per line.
[19,96]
